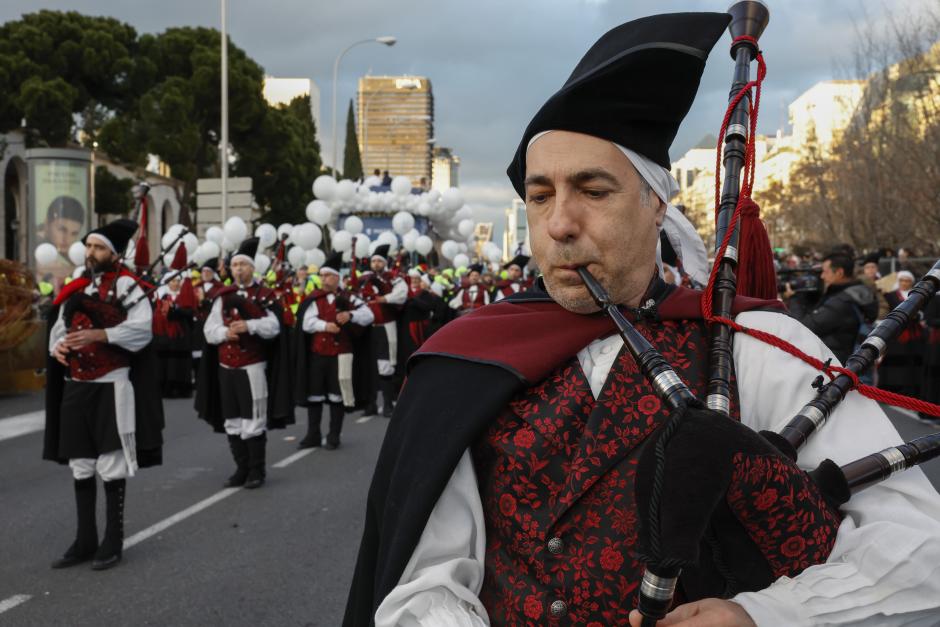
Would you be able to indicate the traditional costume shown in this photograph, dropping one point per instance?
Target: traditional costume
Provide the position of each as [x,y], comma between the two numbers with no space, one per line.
[901,369]
[103,410]
[394,291]
[471,296]
[323,366]
[173,320]
[423,314]
[205,293]
[510,499]
[509,287]
[243,387]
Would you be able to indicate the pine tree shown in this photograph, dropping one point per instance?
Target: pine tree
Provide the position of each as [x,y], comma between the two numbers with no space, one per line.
[352,162]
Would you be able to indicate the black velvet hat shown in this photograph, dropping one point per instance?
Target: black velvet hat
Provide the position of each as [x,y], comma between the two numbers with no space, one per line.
[333,262]
[519,260]
[381,251]
[633,87]
[212,264]
[248,248]
[118,233]
[475,267]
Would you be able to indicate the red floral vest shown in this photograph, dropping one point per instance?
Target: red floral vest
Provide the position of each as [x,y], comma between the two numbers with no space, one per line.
[372,286]
[248,349]
[478,301]
[330,343]
[97,359]
[556,473]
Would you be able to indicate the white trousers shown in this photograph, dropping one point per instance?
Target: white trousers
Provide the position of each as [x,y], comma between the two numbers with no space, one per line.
[109,466]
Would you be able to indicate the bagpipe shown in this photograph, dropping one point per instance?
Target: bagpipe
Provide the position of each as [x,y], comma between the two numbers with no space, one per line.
[709,491]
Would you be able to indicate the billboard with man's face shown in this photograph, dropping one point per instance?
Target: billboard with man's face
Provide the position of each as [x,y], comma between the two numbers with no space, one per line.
[60,203]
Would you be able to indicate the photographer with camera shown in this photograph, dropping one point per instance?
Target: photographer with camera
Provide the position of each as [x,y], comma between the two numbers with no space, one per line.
[843,308]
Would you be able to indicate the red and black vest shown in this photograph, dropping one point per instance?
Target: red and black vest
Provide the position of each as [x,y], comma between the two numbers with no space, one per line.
[163,325]
[371,286]
[243,304]
[556,473]
[469,303]
[508,288]
[331,344]
[97,359]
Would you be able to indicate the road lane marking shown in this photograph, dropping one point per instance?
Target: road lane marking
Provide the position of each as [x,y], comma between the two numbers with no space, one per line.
[364,419]
[13,601]
[164,524]
[22,424]
[287,461]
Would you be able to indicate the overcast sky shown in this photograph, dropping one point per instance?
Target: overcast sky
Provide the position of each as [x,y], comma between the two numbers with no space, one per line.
[492,63]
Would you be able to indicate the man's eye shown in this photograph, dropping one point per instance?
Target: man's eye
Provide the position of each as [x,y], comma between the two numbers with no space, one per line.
[538,198]
[597,193]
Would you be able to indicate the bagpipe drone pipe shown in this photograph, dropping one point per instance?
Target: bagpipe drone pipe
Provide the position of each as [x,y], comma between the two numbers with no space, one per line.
[706,522]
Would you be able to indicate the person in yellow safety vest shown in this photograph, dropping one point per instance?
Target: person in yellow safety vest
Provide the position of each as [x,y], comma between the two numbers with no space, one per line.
[306,280]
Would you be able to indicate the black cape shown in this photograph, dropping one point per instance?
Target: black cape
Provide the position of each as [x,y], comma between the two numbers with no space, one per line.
[363,361]
[208,402]
[436,421]
[148,404]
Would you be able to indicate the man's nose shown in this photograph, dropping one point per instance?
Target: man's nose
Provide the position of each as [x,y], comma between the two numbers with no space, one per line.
[564,222]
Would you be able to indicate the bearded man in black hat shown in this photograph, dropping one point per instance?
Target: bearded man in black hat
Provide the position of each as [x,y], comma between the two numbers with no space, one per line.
[514,281]
[509,499]
[103,409]
[385,293]
[473,294]
[242,388]
[326,323]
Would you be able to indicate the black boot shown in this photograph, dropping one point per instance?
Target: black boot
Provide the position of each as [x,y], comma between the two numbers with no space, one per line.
[86,539]
[112,546]
[387,386]
[313,437]
[240,455]
[337,411]
[256,474]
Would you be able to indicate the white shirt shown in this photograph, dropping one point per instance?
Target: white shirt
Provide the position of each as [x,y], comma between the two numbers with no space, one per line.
[457,301]
[134,333]
[883,570]
[361,315]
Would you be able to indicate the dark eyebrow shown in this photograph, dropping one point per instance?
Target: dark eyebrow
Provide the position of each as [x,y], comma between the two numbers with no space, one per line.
[591,174]
[538,179]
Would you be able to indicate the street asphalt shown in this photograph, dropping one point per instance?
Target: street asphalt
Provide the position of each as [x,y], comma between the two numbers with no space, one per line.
[281,555]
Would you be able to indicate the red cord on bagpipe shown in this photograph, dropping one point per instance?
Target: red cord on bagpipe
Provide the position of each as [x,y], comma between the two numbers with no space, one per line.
[745,203]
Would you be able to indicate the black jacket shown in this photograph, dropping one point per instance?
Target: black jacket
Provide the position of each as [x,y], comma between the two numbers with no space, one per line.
[838,315]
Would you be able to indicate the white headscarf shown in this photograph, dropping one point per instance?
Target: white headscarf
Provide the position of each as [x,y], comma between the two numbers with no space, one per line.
[685,240]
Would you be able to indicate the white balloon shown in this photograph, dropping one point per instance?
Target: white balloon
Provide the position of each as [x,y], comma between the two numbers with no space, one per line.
[227,244]
[284,229]
[401,185]
[235,230]
[215,234]
[191,242]
[452,199]
[76,253]
[262,264]
[77,272]
[372,181]
[318,212]
[345,190]
[423,245]
[342,241]
[267,235]
[403,222]
[296,256]
[168,258]
[461,261]
[307,235]
[324,187]
[210,250]
[424,208]
[354,225]
[465,228]
[463,247]
[449,249]
[362,245]
[46,254]
[387,237]
[434,196]
[347,256]
[315,257]
[494,254]
[408,241]
[170,236]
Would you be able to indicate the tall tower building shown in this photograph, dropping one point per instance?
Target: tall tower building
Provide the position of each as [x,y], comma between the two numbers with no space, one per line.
[395,126]
[444,169]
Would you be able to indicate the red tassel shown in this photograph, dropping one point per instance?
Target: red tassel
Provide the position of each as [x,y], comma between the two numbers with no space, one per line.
[186,299]
[756,275]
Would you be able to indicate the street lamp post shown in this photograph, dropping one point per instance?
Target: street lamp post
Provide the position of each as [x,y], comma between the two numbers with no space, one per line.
[386,40]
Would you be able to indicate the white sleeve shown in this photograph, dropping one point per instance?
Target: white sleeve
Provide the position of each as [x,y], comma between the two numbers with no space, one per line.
[266,327]
[361,315]
[885,566]
[441,583]
[214,329]
[136,330]
[457,301]
[312,324]
[498,296]
[399,293]
[58,330]
[486,295]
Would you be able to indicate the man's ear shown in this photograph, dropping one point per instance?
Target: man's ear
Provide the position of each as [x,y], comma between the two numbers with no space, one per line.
[660,209]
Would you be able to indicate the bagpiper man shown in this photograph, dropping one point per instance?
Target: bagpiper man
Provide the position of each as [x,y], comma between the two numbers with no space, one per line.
[509,499]
[385,293]
[473,294]
[514,282]
[327,320]
[103,410]
[243,383]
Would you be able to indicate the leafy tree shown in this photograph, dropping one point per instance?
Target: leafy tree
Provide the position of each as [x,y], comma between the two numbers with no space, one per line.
[352,162]
[112,194]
